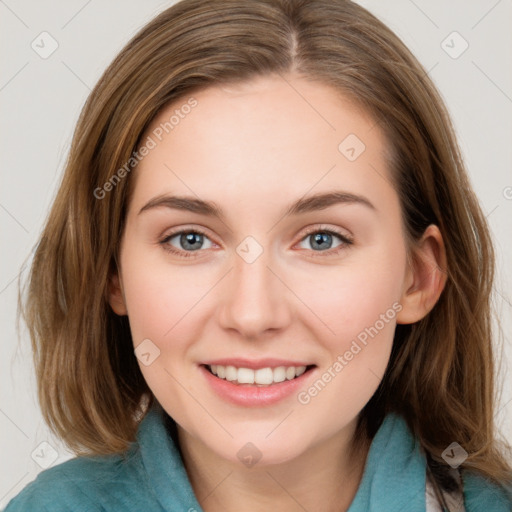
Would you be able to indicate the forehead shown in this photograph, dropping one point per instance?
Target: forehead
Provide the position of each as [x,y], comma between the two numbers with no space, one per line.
[270,138]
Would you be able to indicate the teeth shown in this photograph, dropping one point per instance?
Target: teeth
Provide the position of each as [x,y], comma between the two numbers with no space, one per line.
[231,373]
[245,376]
[262,376]
[279,374]
[299,371]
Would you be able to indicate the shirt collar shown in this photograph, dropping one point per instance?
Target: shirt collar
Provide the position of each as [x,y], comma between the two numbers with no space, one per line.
[395,471]
[163,464]
[393,478]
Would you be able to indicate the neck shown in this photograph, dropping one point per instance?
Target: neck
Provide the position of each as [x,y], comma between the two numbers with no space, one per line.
[325,477]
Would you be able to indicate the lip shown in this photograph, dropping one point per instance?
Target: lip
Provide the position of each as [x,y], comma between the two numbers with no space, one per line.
[255,364]
[249,395]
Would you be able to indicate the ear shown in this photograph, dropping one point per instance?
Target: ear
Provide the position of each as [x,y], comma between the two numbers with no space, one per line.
[425,277]
[116,295]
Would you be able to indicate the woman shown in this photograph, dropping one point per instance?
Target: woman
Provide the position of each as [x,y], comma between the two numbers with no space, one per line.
[194,344]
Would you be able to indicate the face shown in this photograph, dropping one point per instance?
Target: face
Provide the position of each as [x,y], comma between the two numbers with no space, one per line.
[262,286]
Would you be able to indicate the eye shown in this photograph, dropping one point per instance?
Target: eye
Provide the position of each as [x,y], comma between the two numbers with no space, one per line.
[322,239]
[190,241]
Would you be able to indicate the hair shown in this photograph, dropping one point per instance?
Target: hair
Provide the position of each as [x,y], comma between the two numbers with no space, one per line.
[441,374]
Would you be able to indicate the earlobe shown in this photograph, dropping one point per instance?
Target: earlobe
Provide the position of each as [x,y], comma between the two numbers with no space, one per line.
[116,295]
[426,277]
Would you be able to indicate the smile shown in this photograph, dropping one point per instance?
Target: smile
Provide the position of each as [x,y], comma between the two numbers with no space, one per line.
[260,377]
[256,387]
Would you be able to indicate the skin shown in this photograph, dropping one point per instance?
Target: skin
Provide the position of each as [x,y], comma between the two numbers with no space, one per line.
[253,149]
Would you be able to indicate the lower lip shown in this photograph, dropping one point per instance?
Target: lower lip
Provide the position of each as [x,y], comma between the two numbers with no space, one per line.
[249,395]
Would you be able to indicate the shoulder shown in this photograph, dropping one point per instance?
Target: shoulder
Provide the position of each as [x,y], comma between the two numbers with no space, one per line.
[481,493]
[83,483]
[143,477]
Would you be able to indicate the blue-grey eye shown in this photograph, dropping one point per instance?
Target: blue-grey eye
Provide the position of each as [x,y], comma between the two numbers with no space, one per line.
[188,240]
[322,240]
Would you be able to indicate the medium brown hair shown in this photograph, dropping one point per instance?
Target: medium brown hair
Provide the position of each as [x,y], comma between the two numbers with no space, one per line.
[441,375]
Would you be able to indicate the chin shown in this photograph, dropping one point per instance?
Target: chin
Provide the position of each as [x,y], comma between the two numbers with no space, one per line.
[258,451]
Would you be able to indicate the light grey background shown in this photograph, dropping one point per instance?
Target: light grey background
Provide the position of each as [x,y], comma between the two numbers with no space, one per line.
[42,97]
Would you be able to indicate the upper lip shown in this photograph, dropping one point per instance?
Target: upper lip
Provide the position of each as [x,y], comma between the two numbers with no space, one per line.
[255,364]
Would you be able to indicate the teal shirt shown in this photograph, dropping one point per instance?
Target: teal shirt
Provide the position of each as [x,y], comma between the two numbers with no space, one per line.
[150,477]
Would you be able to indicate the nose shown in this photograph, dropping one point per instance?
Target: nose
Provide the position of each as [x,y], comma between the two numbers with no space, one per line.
[254,298]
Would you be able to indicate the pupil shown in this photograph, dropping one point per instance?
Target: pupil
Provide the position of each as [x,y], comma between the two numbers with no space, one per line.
[319,237]
[189,239]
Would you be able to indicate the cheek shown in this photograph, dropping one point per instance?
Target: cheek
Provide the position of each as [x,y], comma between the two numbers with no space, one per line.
[353,297]
[159,294]
[159,300]
[358,309]
[163,302]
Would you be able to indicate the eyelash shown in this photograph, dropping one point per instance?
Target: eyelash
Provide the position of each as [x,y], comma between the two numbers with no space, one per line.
[347,241]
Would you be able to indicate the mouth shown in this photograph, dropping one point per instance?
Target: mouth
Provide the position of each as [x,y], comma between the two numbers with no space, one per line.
[261,377]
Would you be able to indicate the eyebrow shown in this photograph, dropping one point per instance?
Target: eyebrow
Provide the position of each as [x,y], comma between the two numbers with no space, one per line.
[313,203]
